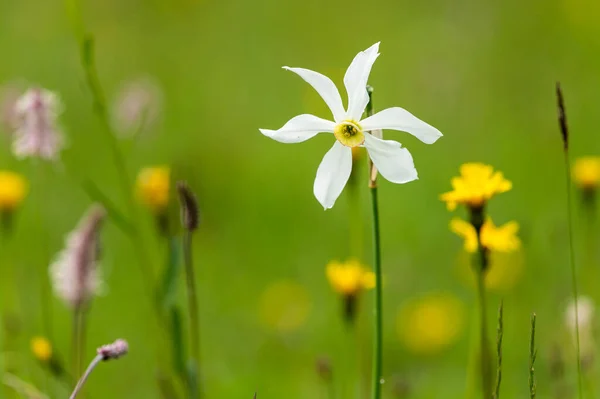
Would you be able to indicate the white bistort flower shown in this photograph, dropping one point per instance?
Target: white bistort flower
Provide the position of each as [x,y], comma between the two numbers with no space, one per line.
[37,133]
[74,273]
[392,160]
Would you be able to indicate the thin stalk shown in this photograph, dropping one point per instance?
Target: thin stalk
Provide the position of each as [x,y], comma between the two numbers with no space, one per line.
[532,356]
[574,286]
[192,308]
[500,334]
[45,289]
[486,372]
[330,390]
[85,376]
[25,389]
[564,129]
[78,340]
[378,347]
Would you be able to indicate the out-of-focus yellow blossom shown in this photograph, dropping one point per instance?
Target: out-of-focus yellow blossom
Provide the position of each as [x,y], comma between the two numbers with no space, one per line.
[13,189]
[476,184]
[431,323]
[350,277]
[586,172]
[284,306]
[495,238]
[41,349]
[152,187]
[504,271]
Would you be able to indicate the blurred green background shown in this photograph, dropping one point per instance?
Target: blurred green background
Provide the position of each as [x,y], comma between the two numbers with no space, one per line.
[481,72]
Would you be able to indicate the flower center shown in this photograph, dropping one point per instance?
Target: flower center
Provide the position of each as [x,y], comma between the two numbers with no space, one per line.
[349,133]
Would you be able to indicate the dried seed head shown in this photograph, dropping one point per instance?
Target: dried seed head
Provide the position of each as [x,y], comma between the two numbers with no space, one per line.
[74,273]
[562,116]
[324,368]
[189,207]
[114,350]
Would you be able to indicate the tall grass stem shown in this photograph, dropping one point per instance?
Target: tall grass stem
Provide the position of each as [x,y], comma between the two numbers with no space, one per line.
[564,130]
[192,309]
[499,337]
[532,356]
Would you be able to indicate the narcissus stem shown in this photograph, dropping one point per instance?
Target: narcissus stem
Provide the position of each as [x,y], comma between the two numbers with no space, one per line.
[378,303]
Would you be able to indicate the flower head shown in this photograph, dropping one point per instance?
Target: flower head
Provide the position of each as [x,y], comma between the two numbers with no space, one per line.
[349,278]
[190,217]
[284,306]
[75,275]
[584,313]
[476,184]
[350,130]
[153,186]
[137,107]
[495,238]
[113,351]
[37,133]
[41,349]
[586,172]
[429,324]
[13,189]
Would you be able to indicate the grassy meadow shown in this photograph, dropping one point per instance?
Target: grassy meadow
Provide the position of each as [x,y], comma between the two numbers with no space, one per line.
[483,73]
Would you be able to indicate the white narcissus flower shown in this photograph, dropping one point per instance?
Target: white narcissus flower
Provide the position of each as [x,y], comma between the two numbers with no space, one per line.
[37,133]
[392,160]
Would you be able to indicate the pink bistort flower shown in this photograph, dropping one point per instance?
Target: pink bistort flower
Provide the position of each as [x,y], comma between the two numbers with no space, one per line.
[36,131]
[75,275]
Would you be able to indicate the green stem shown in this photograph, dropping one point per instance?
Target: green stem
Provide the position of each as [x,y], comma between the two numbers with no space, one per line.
[573,271]
[378,347]
[192,310]
[40,178]
[75,341]
[486,380]
[500,334]
[532,356]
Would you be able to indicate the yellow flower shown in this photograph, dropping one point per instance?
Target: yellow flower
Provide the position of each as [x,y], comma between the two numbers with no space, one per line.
[284,306]
[152,187]
[586,172]
[495,238]
[13,189]
[504,271]
[476,184]
[350,277]
[41,348]
[431,323]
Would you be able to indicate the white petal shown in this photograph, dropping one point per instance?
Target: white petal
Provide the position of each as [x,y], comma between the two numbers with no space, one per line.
[300,128]
[392,161]
[356,79]
[332,175]
[326,89]
[400,119]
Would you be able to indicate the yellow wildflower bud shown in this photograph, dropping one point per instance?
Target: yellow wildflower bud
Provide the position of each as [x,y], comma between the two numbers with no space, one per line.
[350,277]
[13,189]
[41,348]
[476,184]
[152,187]
[586,172]
[495,238]
[431,323]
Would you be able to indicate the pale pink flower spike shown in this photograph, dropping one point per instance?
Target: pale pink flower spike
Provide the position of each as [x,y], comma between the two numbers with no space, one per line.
[36,132]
